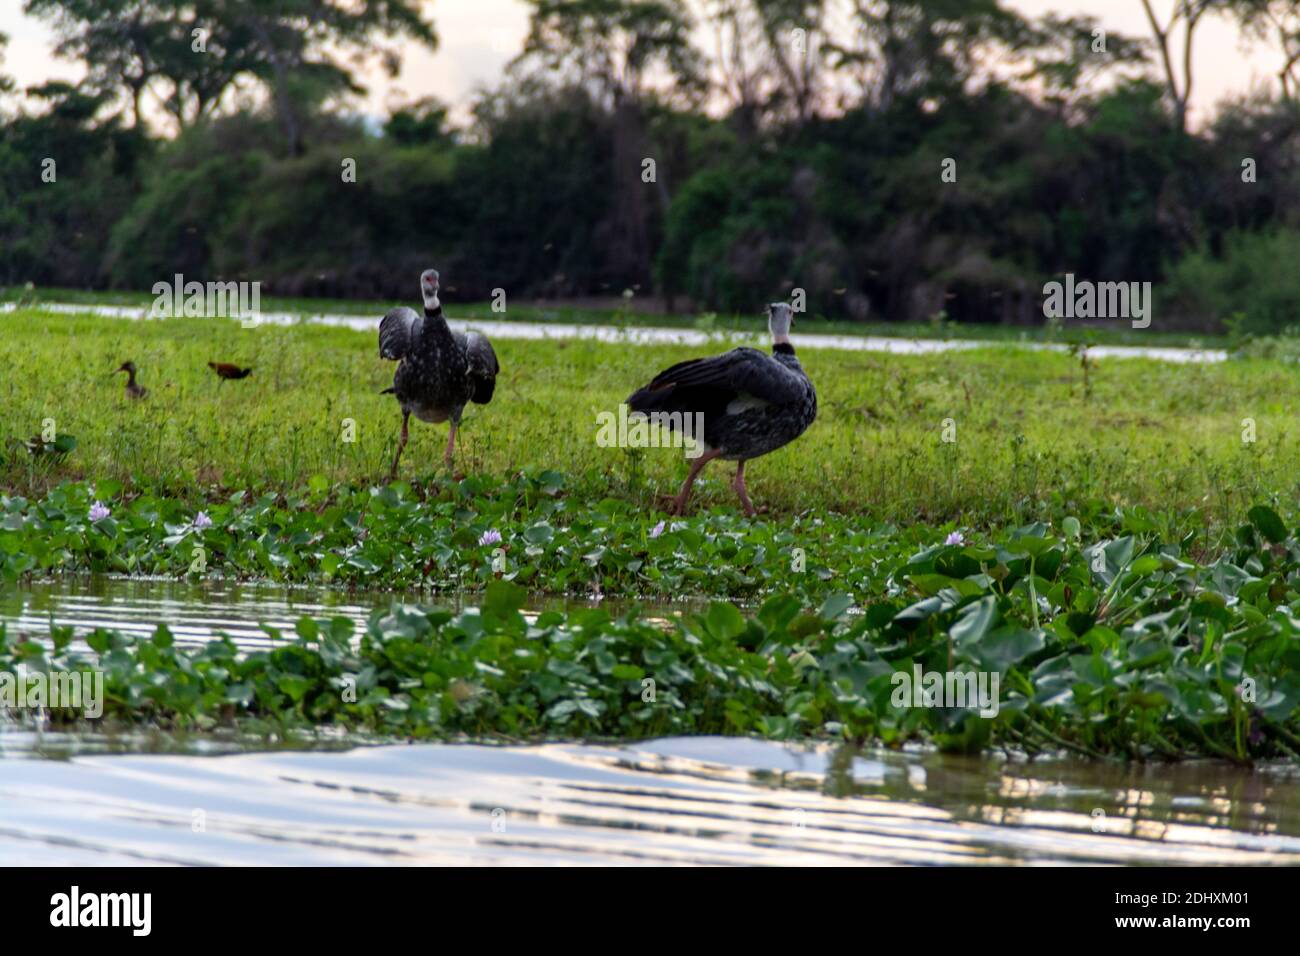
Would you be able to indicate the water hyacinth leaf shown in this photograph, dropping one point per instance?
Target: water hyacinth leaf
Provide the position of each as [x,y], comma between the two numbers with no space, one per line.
[1101,639]
[923,560]
[1269,524]
[1091,668]
[928,607]
[1005,647]
[724,621]
[1119,552]
[562,711]
[295,687]
[931,584]
[99,640]
[503,599]
[835,607]
[540,533]
[1145,565]
[778,611]
[1228,579]
[1149,652]
[1033,545]
[340,629]
[956,563]
[975,621]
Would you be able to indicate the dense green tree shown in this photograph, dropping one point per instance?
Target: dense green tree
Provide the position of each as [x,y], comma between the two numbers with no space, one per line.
[1279,21]
[64,179]
[6,83]
[191,53]
[614,49]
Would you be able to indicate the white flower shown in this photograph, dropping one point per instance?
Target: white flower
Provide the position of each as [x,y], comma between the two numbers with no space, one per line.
[99,511]
[956,538]
[657,530]
[201,521]
[491,536]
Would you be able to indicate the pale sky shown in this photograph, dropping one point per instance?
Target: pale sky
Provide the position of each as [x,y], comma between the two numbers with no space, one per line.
[478,38]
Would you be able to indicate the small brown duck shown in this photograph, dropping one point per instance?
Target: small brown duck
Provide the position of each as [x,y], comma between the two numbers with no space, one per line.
[133,390]
[226,370]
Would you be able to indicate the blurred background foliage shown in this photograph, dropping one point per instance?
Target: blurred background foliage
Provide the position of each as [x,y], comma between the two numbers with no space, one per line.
[796,143]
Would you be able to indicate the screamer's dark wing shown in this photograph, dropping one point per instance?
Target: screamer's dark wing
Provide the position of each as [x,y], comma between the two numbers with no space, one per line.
[708,385]
[483,365]
[398,332]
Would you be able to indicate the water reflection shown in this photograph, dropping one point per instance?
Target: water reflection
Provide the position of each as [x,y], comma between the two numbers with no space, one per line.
[702,800]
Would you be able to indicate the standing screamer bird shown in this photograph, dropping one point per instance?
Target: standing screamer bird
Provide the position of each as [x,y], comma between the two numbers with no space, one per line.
[751,403]
[438,370]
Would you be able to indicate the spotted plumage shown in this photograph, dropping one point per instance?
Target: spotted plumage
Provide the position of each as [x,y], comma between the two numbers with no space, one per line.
[751,403]
[439,371]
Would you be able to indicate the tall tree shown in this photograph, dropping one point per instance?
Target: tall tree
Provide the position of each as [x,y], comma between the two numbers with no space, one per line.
[623,53]
[6,83]
[190,53]
[613,47]
[770,58]
[1071,54]
[924,49]
[1277,21]
[1185,16]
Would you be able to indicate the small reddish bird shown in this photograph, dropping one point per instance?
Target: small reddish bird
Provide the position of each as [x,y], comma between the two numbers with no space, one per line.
[225,370]
[132,389]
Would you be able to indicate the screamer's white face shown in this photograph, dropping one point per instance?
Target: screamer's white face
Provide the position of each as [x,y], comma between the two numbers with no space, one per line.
[429,287]
[779,319]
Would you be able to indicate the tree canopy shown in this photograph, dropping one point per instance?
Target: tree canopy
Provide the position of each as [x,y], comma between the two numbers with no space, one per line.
[893,159]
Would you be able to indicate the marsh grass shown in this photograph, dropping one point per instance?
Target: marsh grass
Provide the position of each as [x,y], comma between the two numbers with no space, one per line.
[1031,440]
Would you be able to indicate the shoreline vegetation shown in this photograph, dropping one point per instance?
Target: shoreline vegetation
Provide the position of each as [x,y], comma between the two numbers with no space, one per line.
[1112,540]
[1110,638]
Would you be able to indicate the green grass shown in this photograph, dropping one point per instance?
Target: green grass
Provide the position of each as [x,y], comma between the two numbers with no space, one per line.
[1035,435]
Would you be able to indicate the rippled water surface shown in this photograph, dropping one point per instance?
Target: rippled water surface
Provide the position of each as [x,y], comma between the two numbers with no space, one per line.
[704,800]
